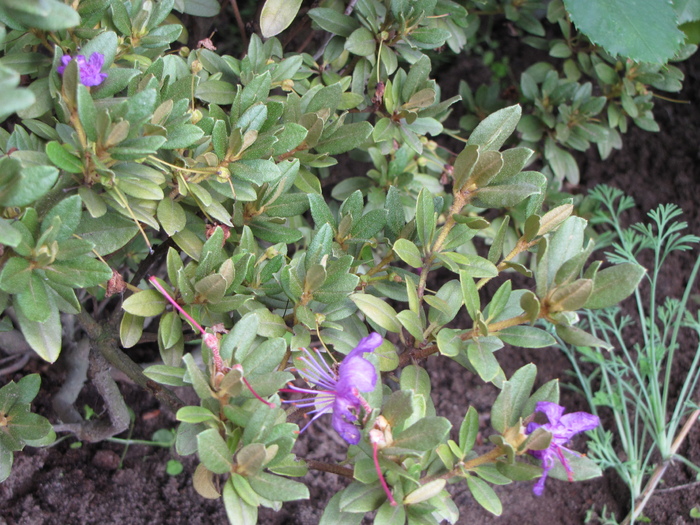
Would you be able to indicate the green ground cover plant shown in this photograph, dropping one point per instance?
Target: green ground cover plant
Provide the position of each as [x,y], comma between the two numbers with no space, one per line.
[158,194]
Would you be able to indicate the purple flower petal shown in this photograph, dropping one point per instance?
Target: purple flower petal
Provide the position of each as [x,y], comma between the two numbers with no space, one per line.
[356,372]
[563,428]
[366,344]
[340,394]
[89,69]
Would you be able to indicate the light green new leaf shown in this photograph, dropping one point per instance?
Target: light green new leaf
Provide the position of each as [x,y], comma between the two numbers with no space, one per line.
[378,311]
[145,303]
[277,15]
[408,252]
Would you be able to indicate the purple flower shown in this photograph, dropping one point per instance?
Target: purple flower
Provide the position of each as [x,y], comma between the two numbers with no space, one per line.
[90,69]
[339,391]
[563,428]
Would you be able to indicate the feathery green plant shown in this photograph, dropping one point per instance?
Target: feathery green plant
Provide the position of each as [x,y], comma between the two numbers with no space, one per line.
[634,380]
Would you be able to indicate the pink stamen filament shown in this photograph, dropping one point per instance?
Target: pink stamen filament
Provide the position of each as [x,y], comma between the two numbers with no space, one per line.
[255,394]
[365,404]
[375,456]
[565,463]
[209,339]
[172,301]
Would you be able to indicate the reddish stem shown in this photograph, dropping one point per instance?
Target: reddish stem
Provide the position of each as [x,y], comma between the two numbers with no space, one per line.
[388,493]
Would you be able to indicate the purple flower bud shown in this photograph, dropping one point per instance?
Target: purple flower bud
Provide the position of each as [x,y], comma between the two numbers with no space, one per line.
[563,428]
[339,391]
[90,69]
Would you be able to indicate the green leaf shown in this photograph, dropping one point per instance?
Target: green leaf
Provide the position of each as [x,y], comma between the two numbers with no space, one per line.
[408,253]
[49,15]
[425,218]
[526,337]
[514,394]
[464,164]
[213,452]
[361,498]
[493,131]
[369,225]
[171,216]
[570,297]
[505,195]
[183,136]
[44,337]
[21,186]
[62,159]
[166,375]
[332,515]
[27,425]
[256,171]
[377,311]
[195,414]
[469,430]
[237,510]
[480,355]
[108,233]
[130,329]
[204,8]
[578,337]
[216,92]
[81,272]
[9,235]
[87,112]
[15,275]
[361,42]
[642,30]
[614,284]
[146,303]
[484,495]
[425,434]
[425,492]
[346,138]
[277,15]
[276,488]
[28,388]
[391,515]
[333,21]
[582,468]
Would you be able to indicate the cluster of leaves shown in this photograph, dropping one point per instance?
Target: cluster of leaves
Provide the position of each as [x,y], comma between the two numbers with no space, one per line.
[224,165]
[18,425]
[605,62]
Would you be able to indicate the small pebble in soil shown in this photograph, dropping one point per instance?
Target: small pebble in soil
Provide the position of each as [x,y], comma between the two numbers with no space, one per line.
[106,459]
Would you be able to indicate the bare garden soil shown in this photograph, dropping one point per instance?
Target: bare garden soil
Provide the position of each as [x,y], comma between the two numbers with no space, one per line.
[63,485]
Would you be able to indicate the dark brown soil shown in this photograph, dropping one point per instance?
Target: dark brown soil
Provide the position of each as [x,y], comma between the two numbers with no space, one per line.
[65,485]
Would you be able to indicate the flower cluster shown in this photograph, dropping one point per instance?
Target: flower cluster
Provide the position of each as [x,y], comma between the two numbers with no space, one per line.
[563,428]
[90,69]
[339,391]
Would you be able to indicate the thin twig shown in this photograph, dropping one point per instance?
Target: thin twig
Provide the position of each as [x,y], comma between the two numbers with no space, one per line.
[329,467]
[104,339]
[660,470]
[679,487]
[240,23]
